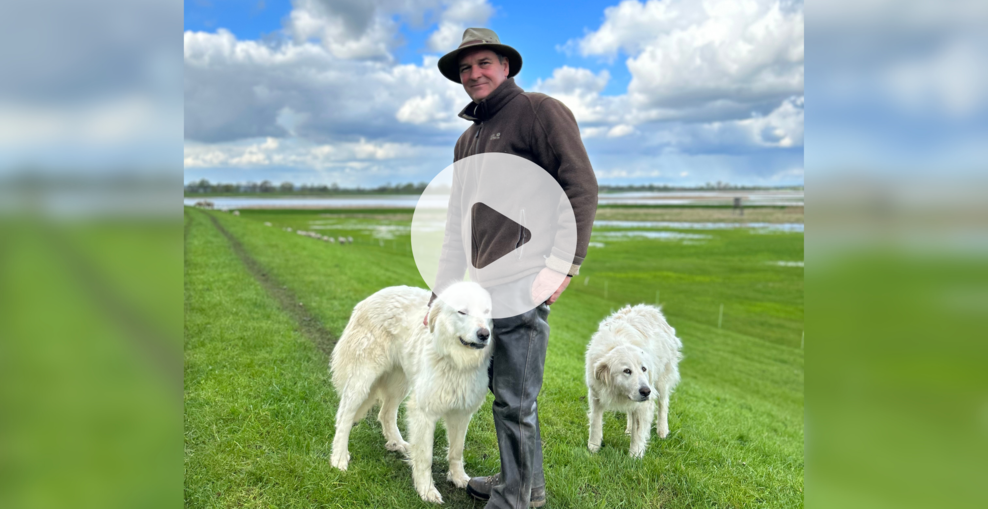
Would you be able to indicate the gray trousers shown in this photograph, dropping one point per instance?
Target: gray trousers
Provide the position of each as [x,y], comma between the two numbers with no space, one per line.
[520,344]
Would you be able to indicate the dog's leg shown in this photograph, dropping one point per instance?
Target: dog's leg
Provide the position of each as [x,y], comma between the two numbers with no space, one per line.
[662,424]
[394,393]
[364,408]
[596,423]
[422,428]
[642,417]
[628,428]
[354,396]
[456,430]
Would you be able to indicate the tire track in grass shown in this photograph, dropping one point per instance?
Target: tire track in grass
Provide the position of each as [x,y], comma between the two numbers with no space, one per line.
[308,324]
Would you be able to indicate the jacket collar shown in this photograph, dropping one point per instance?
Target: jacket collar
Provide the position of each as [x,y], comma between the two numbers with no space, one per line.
[490,105]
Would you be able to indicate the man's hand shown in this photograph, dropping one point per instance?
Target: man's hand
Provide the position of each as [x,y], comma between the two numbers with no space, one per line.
[548,287]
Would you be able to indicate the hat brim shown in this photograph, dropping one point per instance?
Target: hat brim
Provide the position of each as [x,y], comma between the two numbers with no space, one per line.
[450,62]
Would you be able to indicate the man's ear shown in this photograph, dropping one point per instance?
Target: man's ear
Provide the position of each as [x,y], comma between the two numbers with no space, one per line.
[601,371]
[434,314]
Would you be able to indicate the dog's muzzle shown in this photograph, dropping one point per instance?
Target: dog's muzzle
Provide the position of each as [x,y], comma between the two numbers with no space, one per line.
[476,346]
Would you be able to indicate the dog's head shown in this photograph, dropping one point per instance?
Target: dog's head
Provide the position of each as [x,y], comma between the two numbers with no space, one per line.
[625,371]
[462,314]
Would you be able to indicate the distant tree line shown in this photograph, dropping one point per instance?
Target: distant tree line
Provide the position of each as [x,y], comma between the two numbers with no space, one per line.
[203,187]
[709,186]
[267,187]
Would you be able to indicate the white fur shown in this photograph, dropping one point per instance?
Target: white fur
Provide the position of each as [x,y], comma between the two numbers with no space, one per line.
[385,354]
[630,339]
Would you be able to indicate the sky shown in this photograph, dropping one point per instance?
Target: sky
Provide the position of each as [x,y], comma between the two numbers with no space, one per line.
[675,92]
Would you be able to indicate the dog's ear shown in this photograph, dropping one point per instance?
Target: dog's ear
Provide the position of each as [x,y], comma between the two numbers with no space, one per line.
[434,314]
[601,371]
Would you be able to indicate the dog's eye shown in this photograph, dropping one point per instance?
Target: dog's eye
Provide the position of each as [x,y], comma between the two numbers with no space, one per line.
[627,371]
[462,312]
[643,369]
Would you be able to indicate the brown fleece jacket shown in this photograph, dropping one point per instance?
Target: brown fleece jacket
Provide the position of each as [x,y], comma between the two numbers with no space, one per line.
[540,129]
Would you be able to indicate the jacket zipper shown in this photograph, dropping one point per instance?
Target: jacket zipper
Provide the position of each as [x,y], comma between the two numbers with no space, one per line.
[476,139]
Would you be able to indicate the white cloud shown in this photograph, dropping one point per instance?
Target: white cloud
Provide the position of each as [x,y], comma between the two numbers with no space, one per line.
[295,153]
[367,29]
[781,128]
[347,29]
[439,111]
[620,130]
[245,89]
[457,17]
[579,89]
[574,81]
[297,106]
[705,76]
[684,53]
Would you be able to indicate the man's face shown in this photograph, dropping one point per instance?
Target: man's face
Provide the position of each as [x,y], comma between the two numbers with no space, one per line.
[481,73]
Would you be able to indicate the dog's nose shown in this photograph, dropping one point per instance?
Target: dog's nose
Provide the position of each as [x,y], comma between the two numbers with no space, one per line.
[644,391]
[483,334]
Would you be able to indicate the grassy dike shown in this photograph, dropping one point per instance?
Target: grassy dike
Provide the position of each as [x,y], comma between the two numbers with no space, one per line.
[259,406]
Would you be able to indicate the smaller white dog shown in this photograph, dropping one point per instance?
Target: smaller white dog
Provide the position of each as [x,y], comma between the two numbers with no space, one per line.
[632,366]
[385,354]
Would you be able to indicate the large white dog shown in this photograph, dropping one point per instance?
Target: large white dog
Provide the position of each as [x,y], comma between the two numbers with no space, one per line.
[385,353]
[632,366]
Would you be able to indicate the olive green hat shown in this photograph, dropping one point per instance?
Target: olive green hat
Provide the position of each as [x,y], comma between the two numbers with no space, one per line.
[478,38]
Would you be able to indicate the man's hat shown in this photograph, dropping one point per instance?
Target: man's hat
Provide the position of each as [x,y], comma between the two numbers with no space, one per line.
[478,38]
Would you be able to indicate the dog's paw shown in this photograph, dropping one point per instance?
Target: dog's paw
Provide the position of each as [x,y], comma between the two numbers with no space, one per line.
[340,460]
[460,479]
[637,452]
[432,495]
[593,447]
[397,446]
[663,431]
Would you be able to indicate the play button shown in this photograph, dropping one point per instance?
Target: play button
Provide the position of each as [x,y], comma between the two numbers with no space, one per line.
[496,219]
[482,216]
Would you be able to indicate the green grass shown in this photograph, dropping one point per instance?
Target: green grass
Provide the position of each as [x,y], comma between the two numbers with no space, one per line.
[259,405]
[90,363]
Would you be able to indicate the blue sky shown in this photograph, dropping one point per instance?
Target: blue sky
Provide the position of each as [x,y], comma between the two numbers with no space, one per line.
[326,91]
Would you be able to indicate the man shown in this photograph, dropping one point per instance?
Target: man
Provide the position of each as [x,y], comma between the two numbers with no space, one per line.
[506,119]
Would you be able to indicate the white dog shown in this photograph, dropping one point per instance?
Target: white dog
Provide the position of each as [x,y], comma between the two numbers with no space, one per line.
[385,353]
[632,366]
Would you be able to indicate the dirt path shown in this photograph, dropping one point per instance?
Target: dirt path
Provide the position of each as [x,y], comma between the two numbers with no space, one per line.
[308,324]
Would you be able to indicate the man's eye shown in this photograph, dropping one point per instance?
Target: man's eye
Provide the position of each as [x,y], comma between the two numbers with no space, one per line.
[627,371]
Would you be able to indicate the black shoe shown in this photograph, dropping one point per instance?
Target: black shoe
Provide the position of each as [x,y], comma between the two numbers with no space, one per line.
[480,489]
